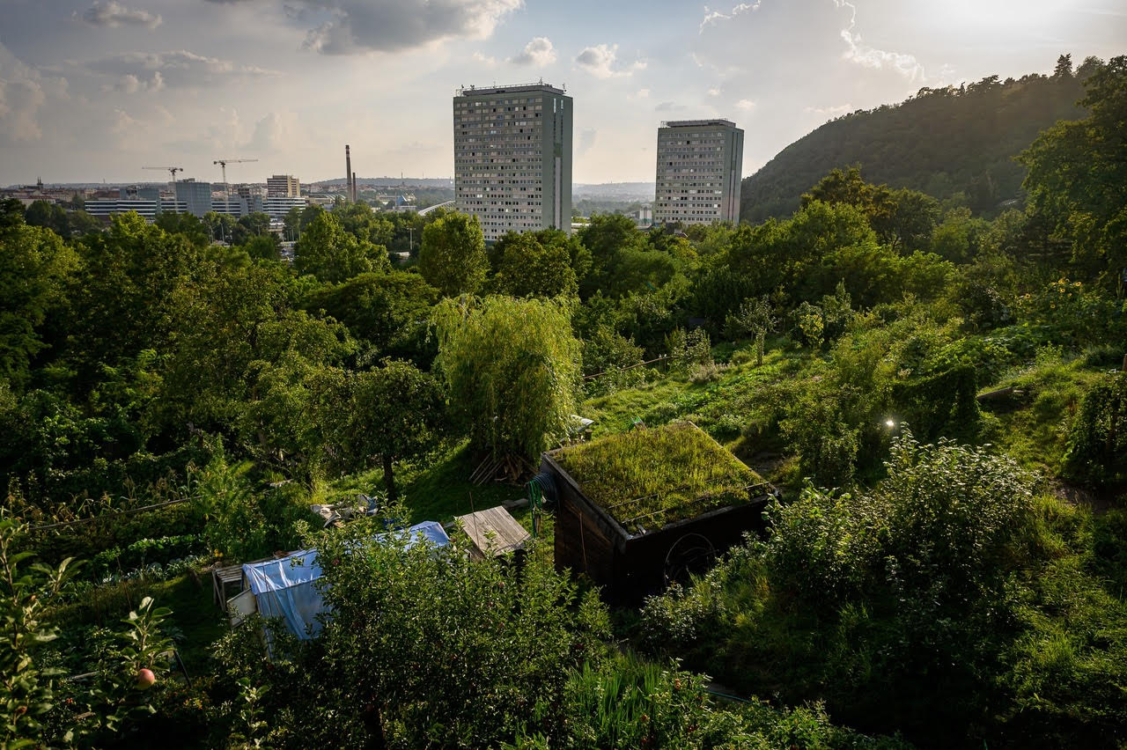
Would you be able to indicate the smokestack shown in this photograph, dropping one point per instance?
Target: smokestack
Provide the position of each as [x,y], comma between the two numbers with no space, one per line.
[355,192]
[348,170]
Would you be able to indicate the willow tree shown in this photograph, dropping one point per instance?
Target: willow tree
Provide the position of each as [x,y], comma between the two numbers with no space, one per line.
[513,370]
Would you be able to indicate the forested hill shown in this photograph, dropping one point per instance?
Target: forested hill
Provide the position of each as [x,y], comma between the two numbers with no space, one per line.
[941,142]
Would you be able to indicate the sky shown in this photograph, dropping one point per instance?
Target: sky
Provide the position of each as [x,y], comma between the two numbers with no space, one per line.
[94,90]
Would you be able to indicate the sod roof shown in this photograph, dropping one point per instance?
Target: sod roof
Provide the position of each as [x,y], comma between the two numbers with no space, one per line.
[648,478]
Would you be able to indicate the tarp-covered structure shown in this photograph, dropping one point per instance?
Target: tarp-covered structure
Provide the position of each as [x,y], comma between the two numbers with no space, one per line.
[286,587]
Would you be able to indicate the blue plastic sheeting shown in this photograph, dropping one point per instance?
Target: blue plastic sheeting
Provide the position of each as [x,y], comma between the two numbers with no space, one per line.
[286,587]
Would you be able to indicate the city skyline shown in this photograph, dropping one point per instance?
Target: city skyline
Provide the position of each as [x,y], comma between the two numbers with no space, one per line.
[95,89]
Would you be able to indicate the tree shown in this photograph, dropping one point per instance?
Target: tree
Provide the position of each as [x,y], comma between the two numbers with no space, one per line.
[1064,67]
[389,311]
[392,413]
[264,247]
[452,258]
[1078,176]
[35,268]
[49,216]
[331,254]
[512,370]
[757,317]
[535,265]
[220,227]
[252,225]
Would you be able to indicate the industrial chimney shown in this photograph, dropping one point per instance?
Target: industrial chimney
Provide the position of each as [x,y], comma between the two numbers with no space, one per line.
[347,171]
[355,192]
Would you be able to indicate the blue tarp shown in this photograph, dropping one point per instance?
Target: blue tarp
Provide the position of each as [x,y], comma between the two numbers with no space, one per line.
[286,587]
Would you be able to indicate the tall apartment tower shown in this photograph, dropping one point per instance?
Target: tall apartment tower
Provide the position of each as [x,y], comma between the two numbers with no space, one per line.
[512,157]
[283,186]
[699,164]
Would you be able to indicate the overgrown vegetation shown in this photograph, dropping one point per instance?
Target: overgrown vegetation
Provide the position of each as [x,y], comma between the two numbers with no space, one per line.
[658,476]
[934,389]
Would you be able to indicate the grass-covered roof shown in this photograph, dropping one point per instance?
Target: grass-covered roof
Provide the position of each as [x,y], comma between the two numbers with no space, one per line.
[648,478]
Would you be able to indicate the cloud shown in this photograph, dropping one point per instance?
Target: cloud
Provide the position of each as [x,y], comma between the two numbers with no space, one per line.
[745,104]
[600,61]
[270,134]
[714,91]
[669,107]
[586,141]
[21,96]
[638,95]
[487,61]
[835,111]
[358,26]
[113,13]
[715,16]
[176,69]
[537,53]
[862,54]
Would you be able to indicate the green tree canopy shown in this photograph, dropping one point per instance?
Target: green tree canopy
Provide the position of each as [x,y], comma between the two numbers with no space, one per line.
[390,414]
[512,367]
[387,310]
[535,264]
[452,258]
[331,254]
[1078,175]
[35,267]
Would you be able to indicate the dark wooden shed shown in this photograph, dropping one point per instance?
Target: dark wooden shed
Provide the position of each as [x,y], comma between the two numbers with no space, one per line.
[703,502]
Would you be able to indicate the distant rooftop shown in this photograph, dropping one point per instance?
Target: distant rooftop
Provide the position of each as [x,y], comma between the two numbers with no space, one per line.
[696,123]
[512,88]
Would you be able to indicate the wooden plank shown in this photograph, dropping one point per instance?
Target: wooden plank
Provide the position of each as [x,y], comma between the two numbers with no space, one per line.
[494,531]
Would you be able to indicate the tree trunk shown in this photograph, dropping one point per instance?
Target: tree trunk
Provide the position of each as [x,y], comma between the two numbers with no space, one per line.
[759,340]
[389,479]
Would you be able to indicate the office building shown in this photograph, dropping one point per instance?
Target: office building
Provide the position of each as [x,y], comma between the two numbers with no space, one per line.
[195,195]
[699,165]
[283,186]
[512,157]
[148,207]
[276,207]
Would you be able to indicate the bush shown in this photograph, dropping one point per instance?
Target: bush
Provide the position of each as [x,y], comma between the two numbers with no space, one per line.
[1097,445]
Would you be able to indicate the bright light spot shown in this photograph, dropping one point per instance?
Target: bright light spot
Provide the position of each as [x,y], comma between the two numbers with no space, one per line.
[889,424]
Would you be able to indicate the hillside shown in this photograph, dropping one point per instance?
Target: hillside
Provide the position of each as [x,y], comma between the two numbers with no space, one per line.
[941,142]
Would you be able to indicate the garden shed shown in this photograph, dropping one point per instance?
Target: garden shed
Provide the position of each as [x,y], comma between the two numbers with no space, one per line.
[640,510]
[285,587]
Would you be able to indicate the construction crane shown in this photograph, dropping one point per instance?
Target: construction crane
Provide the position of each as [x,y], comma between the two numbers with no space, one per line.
[172,171]
[227,190]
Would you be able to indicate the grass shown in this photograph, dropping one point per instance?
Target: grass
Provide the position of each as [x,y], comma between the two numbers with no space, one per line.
[1033,427]
[658,476]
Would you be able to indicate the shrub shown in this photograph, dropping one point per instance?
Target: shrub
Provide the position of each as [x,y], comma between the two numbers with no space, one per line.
[1097,445]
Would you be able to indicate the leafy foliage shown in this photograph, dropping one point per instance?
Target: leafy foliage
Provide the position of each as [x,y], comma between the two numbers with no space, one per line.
[452,258]
[512,368]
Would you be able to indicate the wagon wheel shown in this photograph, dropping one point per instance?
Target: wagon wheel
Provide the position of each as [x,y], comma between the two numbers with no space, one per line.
[689,555]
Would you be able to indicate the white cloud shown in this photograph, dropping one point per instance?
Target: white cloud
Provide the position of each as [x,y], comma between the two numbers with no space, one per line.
[669,107]
[715,16]
[21,96]
[714,91]
[600,61]
[486,60]
[271,134]
[745,105]
[638,95]
[834,111]
[869,57]
[112,13]
[537,53]
[356,26]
